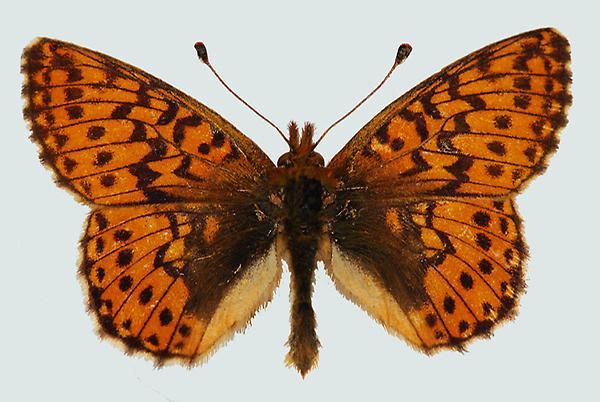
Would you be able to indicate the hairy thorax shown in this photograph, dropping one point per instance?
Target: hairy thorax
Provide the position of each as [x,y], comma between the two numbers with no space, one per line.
[301,188]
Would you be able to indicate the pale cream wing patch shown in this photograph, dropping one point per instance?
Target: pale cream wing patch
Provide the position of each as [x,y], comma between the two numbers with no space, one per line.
[360,288]
[253,291]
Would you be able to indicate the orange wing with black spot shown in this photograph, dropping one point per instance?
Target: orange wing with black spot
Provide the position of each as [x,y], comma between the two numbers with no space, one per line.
[170,183]
[482,126]
[433,178]
[172,280]
[115,135]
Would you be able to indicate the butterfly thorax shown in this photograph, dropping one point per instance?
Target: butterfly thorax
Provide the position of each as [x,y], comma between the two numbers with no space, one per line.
[301,161]
[301,185]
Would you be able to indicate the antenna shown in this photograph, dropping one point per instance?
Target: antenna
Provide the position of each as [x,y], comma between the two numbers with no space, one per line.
[203,56]
[402,54]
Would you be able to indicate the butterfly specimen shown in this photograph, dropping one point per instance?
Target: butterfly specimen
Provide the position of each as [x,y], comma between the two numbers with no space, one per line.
[414,219]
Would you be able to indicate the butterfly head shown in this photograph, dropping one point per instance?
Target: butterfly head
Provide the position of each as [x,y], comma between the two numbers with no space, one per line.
[301,148]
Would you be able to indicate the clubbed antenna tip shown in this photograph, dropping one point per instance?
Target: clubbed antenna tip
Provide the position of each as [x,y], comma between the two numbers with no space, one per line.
[403,52]
[202,53]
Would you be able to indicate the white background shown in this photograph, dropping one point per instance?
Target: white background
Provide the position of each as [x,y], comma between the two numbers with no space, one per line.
[310,61]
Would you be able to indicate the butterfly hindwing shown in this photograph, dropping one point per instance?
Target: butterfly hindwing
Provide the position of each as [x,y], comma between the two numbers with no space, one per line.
[425,233]
[116,135]
[441,272]
[171,280]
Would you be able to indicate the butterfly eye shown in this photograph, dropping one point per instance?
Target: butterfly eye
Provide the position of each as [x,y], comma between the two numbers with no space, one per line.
[285,161]
[317,159]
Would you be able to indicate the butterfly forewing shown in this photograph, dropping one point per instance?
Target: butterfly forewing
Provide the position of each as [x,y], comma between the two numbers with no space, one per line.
[481,127]
[424,208]
[118,136]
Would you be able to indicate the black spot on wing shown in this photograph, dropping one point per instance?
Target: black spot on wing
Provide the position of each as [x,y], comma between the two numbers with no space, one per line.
[497,147]
[74,112]
[73,93]
[475,102]
[460,123]
[144,174]
[218,139]
[181,124]
[460,167]
[421,165]
[121,111]
[449,304]
[382,134]
[96,132]
[168,115]
[430,109]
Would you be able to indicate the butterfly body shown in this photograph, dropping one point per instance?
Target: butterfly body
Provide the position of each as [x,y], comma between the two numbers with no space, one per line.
[303,189]
[414,219]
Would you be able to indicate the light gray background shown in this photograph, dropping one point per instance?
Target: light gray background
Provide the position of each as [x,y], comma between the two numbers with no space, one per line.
[309,61]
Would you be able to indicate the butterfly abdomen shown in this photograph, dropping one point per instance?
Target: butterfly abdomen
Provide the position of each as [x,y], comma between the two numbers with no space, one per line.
[303,341]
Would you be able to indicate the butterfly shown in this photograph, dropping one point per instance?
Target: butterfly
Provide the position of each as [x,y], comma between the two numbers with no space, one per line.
[414,219]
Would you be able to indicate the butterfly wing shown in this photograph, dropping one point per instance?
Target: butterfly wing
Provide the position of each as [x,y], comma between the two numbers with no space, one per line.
[115,135]
[433,177]
[177,253]
[433,275]
[493,115]
[173,281]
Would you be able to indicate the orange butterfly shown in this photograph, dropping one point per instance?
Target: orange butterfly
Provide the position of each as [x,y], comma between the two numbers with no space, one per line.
[414,218]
